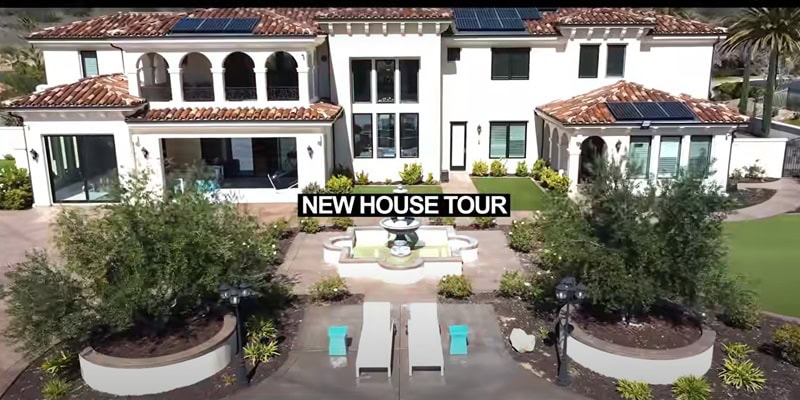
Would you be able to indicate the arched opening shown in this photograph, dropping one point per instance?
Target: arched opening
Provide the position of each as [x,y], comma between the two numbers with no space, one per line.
[152,71]
[593,150]
[198,84]
[240,81]
[282,82]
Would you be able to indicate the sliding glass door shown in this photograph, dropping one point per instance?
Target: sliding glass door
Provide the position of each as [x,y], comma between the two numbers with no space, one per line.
[83,168]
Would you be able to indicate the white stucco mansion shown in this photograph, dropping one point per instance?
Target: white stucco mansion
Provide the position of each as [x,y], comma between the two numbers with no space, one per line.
[273,98]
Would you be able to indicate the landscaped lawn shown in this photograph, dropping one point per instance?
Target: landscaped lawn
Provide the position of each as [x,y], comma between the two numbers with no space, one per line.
[387,189]
[767,250]
[525,195]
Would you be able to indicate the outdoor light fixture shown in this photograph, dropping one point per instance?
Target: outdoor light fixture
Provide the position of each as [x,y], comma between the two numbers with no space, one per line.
[618,145]
[645,125]
[479,129]
[145,153]
[34,155]
[235,294]
[570,293]
[310,151]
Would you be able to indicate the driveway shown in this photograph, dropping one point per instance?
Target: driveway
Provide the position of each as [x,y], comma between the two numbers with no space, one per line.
[487,372]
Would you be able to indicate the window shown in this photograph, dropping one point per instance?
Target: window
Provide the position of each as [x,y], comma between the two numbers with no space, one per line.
[615,62]
[587,68]
[409,135]
[386,146]
[453,53]
[639,157]
[507,139]
[385,80]
[362,80]
[700,154]
[89,63]
[409,83]
[362,135]
[669,156]
[83,168]
[510,64]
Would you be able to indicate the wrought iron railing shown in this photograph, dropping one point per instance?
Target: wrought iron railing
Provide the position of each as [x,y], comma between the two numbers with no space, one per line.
[283,93]
[240,93]
[156,93]
[198,93]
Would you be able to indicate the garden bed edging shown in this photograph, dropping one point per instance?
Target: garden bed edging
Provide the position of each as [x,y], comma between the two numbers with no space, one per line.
[141,376]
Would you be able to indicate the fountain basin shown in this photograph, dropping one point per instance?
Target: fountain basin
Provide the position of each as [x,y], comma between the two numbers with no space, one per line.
[365,252]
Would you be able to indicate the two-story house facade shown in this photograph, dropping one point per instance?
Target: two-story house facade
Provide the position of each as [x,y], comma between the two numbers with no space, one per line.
[272,99]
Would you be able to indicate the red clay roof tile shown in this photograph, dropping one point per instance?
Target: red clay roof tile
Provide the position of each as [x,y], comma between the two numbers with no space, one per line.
[590,108]
[385,13]
[662,24]
[104,91]
[317,112]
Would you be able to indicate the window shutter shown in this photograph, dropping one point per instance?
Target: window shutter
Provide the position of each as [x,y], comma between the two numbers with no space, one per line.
[497,141]
[516,142]
[500,67]
[668,157]
[589,56]
[615,63]
[520,63]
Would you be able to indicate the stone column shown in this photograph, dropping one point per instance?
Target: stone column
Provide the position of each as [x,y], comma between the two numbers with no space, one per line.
[302,84]
[550,141]
[655,151]
[573,167]
[685,143]
[261,84]
[219,84]
[176,81]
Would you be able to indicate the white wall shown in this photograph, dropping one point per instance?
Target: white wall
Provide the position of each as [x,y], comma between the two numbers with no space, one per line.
[64,66]
[427,48]
[765,152]
[12,141]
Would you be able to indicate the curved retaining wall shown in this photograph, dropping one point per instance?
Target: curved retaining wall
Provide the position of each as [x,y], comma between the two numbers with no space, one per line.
[657,367]
[140,376]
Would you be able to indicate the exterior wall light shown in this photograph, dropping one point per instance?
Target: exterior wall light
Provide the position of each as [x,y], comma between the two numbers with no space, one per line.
[34,155]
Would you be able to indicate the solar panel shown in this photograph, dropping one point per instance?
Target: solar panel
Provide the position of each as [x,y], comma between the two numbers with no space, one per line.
[650,110]
[507,13]
[492,19]
[490,24]
[529,13]
[241,25]
[512,24]
[485,13]
[186,25]
[464,13]
[677,110]
[213,25]
[624,111]
[467,24]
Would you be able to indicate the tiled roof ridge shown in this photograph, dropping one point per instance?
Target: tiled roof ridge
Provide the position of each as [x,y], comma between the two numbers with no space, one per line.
[314,112]
[111,83]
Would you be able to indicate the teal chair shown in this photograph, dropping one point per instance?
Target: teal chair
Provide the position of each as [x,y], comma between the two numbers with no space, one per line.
[458,339]
[337,345]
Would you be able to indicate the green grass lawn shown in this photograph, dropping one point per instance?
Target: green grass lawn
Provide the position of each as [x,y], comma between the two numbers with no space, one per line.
[6,163]
[386,189]
[767,250]
[525,195]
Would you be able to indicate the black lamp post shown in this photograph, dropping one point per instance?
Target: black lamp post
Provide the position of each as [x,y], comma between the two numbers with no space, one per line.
[567,292]
[235,294]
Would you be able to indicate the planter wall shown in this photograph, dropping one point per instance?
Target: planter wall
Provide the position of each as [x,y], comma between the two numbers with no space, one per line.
[657,367]
[141,376]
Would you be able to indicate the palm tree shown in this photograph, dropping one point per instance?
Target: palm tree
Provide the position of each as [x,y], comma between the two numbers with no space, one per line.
[774,31]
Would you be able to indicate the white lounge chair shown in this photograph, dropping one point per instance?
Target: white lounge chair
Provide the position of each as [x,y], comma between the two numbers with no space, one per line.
[377,338]
[424,337]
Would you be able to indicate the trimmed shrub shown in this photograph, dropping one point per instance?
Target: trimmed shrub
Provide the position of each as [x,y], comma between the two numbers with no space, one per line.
[309,225]
[742,374]
[787,340]
[8,157]
[755,171]
[430,180]
[538,168]
[411,174]
[59,363]
[740,308]
[339,185]
[522,235]
[691,388]
[484,222]
[632,390]
[55,389]
[362,178]
[555,181]
[329,288]
[260,328]
[480,168]
[260,352]
[455,287]
[341,222]
[498,168]
[522,169]
[737,351]
[446,221]
[341,170]
[514,284]
[279,229]
[387,181]
[16,192]
[313,188]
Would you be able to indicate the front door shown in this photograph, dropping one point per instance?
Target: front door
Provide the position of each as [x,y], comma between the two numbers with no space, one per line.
[458,146]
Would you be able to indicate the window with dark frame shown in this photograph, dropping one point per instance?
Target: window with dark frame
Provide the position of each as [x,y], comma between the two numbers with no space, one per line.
[453,54]
[511,63]
[589,59]
[409,81]
[361,71]
[615,60]
[700,155]
[89,65]
[362,135]
[386,136]
[385,82]
[409,135]
[507,139]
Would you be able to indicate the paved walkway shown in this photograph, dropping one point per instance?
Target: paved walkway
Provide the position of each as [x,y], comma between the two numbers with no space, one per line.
[487,372]
[460,182]
[786,199]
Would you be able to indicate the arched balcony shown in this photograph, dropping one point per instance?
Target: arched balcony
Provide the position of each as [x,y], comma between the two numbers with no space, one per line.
[282,81]
[240,80]
[198,83]
[153,76]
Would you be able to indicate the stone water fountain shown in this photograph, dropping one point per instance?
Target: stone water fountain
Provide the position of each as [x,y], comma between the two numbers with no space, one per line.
[404,230]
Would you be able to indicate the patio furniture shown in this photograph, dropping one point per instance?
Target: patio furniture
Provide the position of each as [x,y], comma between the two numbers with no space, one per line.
[337,336]
[458,339]
[377,338]
[424,337]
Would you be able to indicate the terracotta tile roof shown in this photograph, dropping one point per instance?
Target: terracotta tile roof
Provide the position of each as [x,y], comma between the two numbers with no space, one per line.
[385,13]
[669,25]
[317,112]
[105,91]
[590,108]
[663,24]
[271,23]
[128,24]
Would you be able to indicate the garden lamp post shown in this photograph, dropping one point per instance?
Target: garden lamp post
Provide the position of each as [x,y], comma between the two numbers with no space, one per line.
[567,292]
[235,294]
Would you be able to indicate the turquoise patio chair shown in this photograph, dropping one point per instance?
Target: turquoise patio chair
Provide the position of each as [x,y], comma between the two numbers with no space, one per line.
[337,336]
[458,339]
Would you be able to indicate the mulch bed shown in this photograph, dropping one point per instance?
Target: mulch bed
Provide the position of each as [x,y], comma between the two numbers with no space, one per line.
[764,180]
[744,198]
[782,377]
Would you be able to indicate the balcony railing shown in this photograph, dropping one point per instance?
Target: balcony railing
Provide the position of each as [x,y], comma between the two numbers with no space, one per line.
[240,93]
[198,93]
[283,93]
[156,93]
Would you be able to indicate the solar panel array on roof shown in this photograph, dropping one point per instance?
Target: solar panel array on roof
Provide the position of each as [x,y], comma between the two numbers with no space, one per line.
[215,25]
[651,111]
[493,19]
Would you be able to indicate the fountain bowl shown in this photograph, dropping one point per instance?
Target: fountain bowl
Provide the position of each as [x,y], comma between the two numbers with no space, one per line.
[400,226]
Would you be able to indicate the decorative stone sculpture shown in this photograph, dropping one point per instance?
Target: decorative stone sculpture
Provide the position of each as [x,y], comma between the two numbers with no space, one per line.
[521,341]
